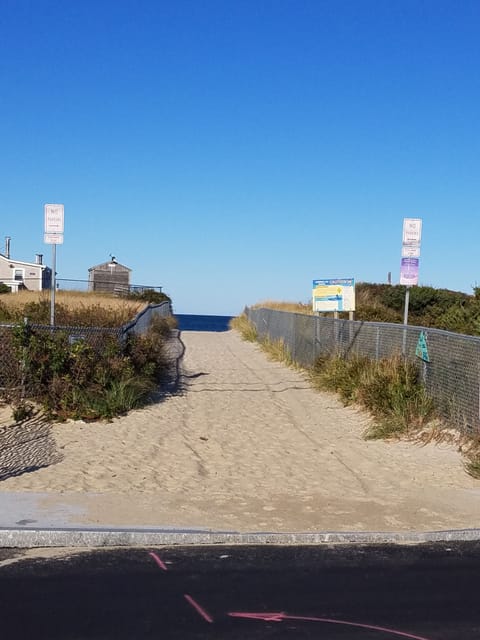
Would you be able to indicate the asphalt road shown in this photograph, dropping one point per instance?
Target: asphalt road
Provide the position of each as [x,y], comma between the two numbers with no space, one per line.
[381,592]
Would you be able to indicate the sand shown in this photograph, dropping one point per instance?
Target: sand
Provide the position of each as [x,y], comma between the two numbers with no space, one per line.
[247,445]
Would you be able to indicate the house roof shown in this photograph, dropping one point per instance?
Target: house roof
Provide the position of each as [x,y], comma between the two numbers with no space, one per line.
[22,262]
[105,265]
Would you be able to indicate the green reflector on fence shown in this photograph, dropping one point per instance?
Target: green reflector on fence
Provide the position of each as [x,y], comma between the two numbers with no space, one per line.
[422,350]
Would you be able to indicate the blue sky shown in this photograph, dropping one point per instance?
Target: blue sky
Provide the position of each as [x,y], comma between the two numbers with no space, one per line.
[231,152]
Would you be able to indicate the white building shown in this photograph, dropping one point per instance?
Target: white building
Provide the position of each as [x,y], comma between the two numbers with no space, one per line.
[18,274]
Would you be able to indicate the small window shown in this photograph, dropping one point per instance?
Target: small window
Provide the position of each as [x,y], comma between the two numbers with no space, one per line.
[18,274]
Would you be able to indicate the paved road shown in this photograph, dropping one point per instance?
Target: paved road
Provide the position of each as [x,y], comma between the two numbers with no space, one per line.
[336,593]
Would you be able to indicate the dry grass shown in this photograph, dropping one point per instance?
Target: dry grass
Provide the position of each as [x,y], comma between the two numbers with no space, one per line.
[275,349]
[72,300]
[292,307]
[244,327]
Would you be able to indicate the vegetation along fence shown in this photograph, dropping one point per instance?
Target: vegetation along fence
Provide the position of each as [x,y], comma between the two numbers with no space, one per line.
[11,370]
[449,362]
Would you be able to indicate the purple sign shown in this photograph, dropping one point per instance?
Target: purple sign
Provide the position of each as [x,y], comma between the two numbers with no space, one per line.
[409,271]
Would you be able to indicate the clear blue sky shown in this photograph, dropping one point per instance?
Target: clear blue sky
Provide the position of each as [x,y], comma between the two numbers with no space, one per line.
[232,151]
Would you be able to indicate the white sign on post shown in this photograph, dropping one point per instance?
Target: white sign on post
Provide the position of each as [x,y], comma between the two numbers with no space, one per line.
[53,238]
[410,251]
[54,218]
[412,231]
[411,239]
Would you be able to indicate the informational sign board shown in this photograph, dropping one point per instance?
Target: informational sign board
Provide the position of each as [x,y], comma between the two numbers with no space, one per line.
[409,271]
[54,218]
[333,294]
[411,239]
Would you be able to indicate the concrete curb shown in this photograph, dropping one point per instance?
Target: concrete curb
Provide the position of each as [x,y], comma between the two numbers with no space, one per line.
[98,537]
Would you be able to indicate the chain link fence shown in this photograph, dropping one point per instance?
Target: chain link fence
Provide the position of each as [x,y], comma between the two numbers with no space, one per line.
[143,320]
[10,364]
[451,376]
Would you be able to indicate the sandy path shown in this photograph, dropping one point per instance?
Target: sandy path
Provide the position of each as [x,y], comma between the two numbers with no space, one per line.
[249,446]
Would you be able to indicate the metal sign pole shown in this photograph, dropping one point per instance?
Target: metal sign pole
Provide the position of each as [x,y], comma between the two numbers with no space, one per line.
[407,303]
[411,239]
[54,223]
[405,320]
[53,284]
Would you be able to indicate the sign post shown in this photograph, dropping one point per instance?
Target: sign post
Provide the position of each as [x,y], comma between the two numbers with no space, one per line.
[54,225]
[411,239]
[412,235]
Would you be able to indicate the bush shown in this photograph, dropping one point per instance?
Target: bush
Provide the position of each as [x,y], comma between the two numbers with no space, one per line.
[389,389]
[148,295]
[335,373]
[90,381]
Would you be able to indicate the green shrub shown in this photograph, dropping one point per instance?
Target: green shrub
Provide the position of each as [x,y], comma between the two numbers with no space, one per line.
[148,295]
[389,389]
[393,393]
[440,308]
[90,381]
[22,410]
[338,374]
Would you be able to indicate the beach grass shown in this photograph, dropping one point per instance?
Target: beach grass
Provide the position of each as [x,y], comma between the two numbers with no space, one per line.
[71,308]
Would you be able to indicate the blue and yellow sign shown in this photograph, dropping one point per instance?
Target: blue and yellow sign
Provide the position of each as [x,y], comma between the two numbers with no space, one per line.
[333,294]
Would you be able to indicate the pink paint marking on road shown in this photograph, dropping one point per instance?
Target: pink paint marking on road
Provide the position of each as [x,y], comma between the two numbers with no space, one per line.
[159,561]
[267,617]
[198,608]
[278,617]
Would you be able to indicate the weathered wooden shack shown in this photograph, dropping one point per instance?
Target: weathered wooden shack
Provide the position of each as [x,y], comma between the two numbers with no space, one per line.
[110,276]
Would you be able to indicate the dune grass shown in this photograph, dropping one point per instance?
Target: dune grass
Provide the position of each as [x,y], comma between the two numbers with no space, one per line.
[76,308]
[472,466]
[244,327]
[390,389]
[292,307]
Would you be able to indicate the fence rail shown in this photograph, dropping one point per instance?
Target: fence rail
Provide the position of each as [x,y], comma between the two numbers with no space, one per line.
[111,285]
[451,376]
[70,284]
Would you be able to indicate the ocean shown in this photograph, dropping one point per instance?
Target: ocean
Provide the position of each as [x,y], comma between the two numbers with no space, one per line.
[187,322]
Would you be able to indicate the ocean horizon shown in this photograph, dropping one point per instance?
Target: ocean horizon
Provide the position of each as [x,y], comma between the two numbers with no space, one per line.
[193,322]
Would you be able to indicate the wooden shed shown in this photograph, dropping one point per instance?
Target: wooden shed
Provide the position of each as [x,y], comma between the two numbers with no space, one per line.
[111,276]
